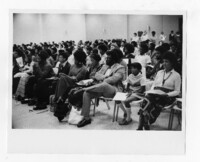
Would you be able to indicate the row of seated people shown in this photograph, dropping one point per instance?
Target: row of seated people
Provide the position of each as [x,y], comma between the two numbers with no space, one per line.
[108,72]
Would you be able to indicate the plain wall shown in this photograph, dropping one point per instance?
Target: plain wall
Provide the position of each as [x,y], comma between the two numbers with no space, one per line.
[170,23]
[58,27]
[26,28]
[106,27]
[48,27]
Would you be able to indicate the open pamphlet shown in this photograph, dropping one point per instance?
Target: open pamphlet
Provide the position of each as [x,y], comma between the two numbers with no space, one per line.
[85,82]
[120,96]
[20,61]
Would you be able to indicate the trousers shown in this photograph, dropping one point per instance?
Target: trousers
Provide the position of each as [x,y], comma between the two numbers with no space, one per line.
[64,84]
[102,89]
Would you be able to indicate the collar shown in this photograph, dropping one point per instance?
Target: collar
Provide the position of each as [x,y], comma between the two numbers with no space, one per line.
[64,63]
[172,71]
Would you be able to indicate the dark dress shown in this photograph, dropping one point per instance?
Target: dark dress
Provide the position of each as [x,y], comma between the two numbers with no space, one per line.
[38,85]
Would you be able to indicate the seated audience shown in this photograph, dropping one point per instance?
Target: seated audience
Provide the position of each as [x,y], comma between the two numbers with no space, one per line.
[129,54]
[135,86]
[24,77]
[167,81]
[121,61]
[77,72]
[64,65]
[50,59]
[94,66]
[110,81]
[143,58]
[151,49]
[108,64]
[102,48]
[37,85]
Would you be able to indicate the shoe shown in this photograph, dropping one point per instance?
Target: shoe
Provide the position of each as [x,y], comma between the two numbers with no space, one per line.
[83,122]
[31,102]
[24,101]
[60,118]
[125,122]
[146,127]
[19,98]
[40,107]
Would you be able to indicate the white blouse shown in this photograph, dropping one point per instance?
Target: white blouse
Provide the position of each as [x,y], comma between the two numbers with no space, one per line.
[170,80]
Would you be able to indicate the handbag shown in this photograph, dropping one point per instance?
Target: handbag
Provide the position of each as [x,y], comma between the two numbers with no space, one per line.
[74,116]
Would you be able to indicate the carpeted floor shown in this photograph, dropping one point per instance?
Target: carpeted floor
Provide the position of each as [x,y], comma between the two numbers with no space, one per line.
[23,118]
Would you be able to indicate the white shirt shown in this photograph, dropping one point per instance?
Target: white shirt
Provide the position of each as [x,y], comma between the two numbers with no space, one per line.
[154,39]
[132,79]
[143,60]
[162,37]
[136,51]
[172,81]
[57,64]
[144,37]
[88,61]
[71,59]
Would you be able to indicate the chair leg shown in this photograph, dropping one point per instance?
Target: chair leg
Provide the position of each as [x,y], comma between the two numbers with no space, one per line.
[94,110]
[179,117]
[171,117]
[107,104]
[114,112]
[94,103]
[117,112]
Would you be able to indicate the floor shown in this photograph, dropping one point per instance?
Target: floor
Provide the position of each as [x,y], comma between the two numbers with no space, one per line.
[24,118]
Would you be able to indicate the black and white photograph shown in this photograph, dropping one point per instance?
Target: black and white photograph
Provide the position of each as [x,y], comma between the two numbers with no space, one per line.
[97,71]
[109,80]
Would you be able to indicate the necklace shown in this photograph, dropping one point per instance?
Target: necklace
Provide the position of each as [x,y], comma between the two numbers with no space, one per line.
[163,82]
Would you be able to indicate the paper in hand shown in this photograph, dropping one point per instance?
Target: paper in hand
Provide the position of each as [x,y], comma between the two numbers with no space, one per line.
[120,96]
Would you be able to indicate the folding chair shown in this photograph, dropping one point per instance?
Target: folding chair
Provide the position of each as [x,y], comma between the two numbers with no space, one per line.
[175,108]
[94,103]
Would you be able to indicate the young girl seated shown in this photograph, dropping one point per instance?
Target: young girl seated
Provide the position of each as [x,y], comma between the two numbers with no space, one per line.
[135,87]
